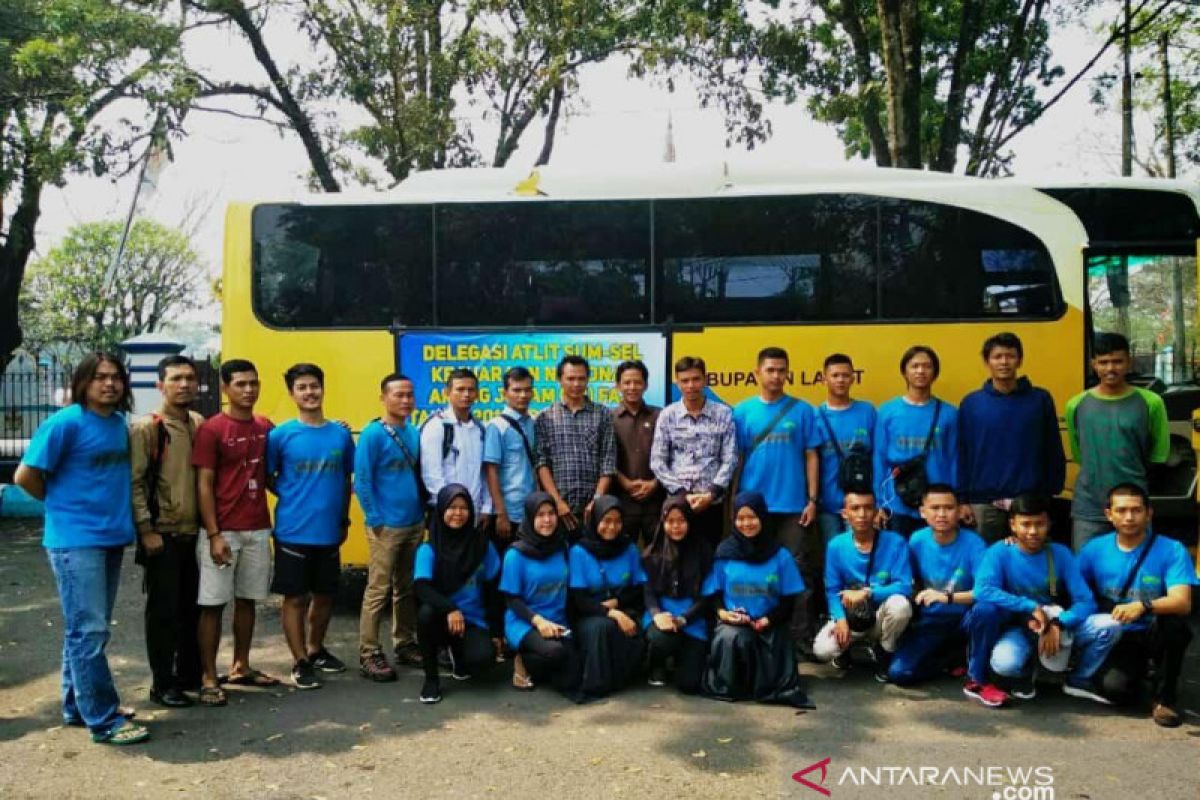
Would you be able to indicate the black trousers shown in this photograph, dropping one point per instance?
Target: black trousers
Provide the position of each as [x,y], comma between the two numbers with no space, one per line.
[172,582]
[807,546]
[610,659]
[690,656]
[1165,642]
[710,523]
[472,652]
[552,661]
[904,525]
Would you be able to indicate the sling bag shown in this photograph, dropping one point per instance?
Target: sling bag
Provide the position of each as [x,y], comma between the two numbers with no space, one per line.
[910,477]
[854,466]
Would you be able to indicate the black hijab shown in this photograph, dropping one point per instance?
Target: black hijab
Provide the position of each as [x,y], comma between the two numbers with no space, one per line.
[531,543]
[457,552]
[600,548]
[757,549]
[676,569]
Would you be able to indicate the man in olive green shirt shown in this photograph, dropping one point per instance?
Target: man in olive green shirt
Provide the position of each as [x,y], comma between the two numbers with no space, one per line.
[1117,431]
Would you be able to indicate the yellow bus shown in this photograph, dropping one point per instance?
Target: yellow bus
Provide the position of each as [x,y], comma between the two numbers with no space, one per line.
[490,268]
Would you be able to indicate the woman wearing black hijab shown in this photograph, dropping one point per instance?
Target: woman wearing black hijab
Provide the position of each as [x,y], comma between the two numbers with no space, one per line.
[607,600]
[534,584]
[754,584]
[454,576]
[676,620]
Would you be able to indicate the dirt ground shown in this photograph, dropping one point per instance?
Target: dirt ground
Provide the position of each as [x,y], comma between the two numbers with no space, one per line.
[485,740]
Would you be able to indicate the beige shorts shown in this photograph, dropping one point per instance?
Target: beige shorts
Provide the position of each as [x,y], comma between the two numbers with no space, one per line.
[248,577]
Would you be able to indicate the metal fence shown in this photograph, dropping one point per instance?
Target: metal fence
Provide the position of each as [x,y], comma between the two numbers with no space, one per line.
[28,395]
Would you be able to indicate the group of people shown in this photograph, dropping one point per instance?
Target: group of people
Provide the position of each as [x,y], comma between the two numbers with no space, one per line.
[708,545]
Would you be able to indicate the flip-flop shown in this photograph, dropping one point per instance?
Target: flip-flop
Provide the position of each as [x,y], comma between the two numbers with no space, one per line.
[212,696]
[128,733]
[251,678]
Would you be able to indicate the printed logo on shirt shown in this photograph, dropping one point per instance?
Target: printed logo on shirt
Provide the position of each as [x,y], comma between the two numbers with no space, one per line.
[109,459]
[319,466]
[753,589]
[549,589]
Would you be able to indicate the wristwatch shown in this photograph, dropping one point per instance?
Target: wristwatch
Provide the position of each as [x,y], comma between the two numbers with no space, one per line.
[1148,605]
[1056,622]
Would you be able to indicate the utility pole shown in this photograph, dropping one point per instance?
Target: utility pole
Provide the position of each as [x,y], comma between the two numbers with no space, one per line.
[1179,327]
[1127,96]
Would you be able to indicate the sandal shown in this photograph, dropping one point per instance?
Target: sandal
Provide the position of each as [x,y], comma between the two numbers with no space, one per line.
[212,696]
[251,678]
[520,677]
[128,733]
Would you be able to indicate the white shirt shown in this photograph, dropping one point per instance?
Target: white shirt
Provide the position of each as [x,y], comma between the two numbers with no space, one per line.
[462,464]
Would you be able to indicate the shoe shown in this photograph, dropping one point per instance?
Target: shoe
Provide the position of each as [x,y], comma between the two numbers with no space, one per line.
[987,694]
[883,662]
[457,672]
[445,659]
[326,661]
[171,698]
[881,676]
[1166,716]
[375,666]
[408,655]
[520,678]
[658,677]
[431,691]
[304,676]
[1025,688]
[1086,689]
[843,661]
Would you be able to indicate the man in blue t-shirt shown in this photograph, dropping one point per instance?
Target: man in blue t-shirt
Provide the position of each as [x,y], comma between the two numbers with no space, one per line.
[509,457]
[945,559]
[309,463]
[914,426]
[1050,608]
[868,585]
[387,466]
[78,463]
[778,438]
[1008,441]
[1144,581]
[849,426]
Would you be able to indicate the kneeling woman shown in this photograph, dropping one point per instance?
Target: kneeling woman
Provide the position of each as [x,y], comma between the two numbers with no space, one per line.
[454,578]
[534,584]
[754,583]
[607,601]
[676,619]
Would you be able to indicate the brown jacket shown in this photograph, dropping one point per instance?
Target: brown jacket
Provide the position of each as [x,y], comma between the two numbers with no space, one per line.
[177,508]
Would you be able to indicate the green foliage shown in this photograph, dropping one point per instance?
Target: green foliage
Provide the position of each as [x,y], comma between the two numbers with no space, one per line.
[65,306]
[66,66]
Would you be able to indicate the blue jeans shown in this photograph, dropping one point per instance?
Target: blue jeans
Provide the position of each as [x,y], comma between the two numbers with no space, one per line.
[87,579]
[922,650]
[1094,639]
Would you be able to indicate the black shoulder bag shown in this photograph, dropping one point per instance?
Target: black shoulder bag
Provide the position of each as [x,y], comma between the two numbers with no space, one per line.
[862,616]
[413,462]
[785,408]
[854,465]
[1107,604]
[910,478]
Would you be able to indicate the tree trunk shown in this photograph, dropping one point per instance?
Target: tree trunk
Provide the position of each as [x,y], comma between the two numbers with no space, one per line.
[556,102]
[14,255]
[864,75]
[952,122]
[899,27]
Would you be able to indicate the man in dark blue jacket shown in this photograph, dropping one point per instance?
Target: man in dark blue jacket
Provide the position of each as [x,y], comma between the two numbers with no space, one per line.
[1008,441]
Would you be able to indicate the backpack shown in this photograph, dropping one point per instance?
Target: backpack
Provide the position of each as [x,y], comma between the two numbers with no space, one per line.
[854,464]
[448,430]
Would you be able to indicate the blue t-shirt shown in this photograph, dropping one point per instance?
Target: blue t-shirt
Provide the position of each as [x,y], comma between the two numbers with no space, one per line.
[756,588]
[1019,582]
[85,457]
[502,445]
[852,425]
[696,628]
[542,584]
[384,479]
[776,468]
[846,568]
[310,465]
[900,432]
[469,597]
[1105,566]
[606,578]
[946,567]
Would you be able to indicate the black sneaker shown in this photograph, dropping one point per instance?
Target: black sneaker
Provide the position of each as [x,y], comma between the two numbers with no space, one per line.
[408,655]
[326,661]
[431,691]
[303,675]
[658,677]
[1024,688]
[376,668]
[842,660]
[171,698]
[456,670]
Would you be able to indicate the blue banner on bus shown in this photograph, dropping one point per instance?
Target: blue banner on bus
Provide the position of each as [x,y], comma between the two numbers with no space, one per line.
[428,358]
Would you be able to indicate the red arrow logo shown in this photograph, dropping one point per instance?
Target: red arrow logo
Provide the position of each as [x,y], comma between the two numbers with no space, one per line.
[822,765]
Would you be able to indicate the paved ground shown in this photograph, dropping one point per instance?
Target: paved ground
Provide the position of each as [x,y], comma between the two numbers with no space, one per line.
[485,740]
